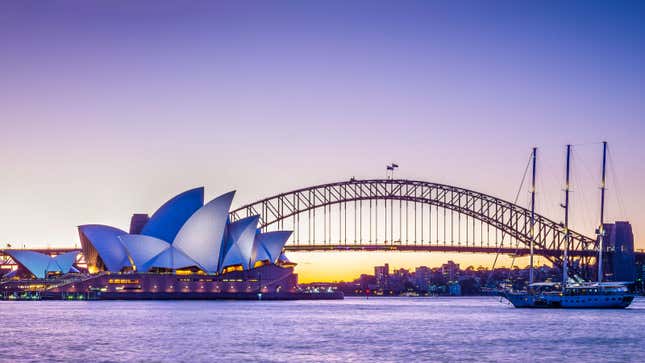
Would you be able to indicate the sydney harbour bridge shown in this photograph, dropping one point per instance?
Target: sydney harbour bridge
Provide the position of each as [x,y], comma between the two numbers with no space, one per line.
[409,215]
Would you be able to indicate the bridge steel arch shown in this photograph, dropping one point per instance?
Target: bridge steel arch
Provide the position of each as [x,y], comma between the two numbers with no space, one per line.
[507,217]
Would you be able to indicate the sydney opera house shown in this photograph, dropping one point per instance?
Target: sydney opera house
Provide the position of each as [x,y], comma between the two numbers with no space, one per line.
[187,249]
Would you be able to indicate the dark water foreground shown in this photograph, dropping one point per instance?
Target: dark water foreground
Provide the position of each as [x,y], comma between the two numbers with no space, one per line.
[354,329]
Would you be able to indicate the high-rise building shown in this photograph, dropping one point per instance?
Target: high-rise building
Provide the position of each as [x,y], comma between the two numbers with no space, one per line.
[423,278]
[382,273]
[619,242]
[450,271]
[399,280]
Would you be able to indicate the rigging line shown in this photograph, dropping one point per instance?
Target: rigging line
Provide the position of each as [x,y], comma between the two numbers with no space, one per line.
[577,196]
[588,218]
[552,146]
[585,164]
[548,188]
[588,143]
[517,248]
[616,184]
[528,164]
[499,248]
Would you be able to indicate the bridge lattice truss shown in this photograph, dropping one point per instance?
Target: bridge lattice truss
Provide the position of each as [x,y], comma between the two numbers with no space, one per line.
[507,219]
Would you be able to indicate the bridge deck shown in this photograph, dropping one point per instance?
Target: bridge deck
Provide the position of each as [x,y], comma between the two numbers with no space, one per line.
[7,262]
[428,248]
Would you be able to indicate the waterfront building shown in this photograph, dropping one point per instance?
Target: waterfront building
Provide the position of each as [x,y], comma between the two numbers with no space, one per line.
[185,250]
[640,274]
[367,282]
[399,281]
[423,278]
[184,234]
[382,273]
[450,271]
[620,242]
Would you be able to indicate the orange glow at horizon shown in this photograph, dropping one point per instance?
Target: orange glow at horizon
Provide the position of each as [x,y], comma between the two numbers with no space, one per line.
[348,266]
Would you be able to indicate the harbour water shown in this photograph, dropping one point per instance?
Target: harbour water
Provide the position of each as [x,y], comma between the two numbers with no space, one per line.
[354,329]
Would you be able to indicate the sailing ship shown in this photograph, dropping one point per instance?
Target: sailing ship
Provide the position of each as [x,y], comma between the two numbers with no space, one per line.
[572,293]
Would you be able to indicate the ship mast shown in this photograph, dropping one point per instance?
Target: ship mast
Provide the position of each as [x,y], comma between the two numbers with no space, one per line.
[565,267]
[532,216]
[601,229]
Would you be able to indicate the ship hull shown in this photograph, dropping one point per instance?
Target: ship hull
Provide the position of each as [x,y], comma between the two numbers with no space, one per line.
[555,301]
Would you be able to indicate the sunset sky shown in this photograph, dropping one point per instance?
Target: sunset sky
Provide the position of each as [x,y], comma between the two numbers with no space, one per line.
[107,108]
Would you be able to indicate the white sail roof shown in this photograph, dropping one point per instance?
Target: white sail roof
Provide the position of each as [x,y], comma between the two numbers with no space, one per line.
[166,222]
[40,264]
[37,263]
[239,245]
[143,249]
[66,260]
[283,258]
[173,258]
[202,235]
[104,241]
[268,246]
[148,252]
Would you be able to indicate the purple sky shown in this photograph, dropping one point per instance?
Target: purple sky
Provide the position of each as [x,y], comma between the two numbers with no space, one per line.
[109,109]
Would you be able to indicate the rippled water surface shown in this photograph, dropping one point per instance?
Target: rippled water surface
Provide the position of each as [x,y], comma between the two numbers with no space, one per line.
[356,329]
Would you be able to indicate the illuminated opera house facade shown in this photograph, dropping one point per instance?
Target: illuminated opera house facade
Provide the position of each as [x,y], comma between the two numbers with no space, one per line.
[186,249]
[183,235]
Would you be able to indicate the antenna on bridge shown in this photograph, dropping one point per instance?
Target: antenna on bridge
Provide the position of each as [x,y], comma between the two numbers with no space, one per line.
[389,170]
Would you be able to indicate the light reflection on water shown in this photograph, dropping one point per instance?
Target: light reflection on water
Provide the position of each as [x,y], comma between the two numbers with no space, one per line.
[356,329]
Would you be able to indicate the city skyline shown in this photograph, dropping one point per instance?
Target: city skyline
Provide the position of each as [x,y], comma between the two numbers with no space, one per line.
[107,111]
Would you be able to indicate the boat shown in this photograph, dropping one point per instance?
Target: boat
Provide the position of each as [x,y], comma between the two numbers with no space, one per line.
[572,293]
[613,295]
